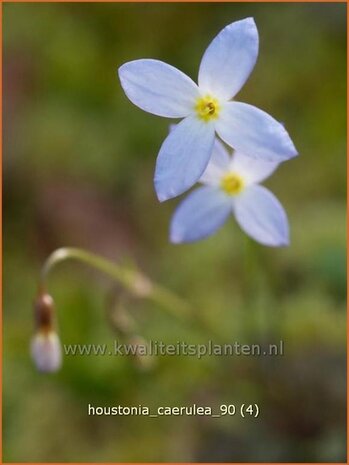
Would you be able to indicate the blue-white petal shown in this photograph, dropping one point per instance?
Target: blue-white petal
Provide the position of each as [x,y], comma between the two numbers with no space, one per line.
[262,217]
[183,157]
[253,132]
[252,170]
[229,59]
[158,88]
[218,165]
[199,215]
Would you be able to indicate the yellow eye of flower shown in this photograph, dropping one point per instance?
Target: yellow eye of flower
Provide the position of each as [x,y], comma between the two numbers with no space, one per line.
[207,108]
[232,184]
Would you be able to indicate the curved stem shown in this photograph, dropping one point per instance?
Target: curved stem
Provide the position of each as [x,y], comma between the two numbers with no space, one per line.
[133,280]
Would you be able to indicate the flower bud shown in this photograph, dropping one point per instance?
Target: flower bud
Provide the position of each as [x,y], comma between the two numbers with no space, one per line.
[142,359]
[45,346]
[46,351]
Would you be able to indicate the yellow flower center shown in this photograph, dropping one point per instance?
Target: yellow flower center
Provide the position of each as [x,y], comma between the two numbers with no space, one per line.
[232,184]
[207,108]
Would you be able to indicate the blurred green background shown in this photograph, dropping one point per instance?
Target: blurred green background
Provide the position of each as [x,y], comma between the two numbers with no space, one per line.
[78,164]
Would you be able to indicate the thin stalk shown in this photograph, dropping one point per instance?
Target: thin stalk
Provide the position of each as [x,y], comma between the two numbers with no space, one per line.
[132,280]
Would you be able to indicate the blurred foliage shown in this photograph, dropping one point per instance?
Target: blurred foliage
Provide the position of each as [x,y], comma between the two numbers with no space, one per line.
[78,163]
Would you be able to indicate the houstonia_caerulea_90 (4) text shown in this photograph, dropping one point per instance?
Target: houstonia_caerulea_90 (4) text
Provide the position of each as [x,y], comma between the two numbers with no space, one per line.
[207,109]
[231,186]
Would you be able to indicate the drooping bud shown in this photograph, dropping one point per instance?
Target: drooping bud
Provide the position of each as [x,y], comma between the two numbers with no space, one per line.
[45,346]
[142,358]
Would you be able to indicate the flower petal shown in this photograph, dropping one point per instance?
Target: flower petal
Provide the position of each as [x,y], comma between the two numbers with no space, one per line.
[219,163]
[158,88]
[229,59]
[261,216]
[183,157]
[253,170]
[46,351]
[253,132]
[199,215]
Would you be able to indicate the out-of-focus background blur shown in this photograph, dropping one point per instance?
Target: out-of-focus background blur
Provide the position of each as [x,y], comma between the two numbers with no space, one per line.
[78,165]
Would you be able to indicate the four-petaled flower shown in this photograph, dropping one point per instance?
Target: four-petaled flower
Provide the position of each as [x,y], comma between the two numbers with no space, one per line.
[207,108]
[230,186]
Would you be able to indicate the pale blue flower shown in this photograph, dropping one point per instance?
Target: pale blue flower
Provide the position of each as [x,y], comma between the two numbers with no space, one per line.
[231,187]
[207,108]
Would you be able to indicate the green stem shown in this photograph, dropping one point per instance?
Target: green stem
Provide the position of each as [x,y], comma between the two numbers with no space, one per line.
[252,289]
[132,280]
[257,294]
